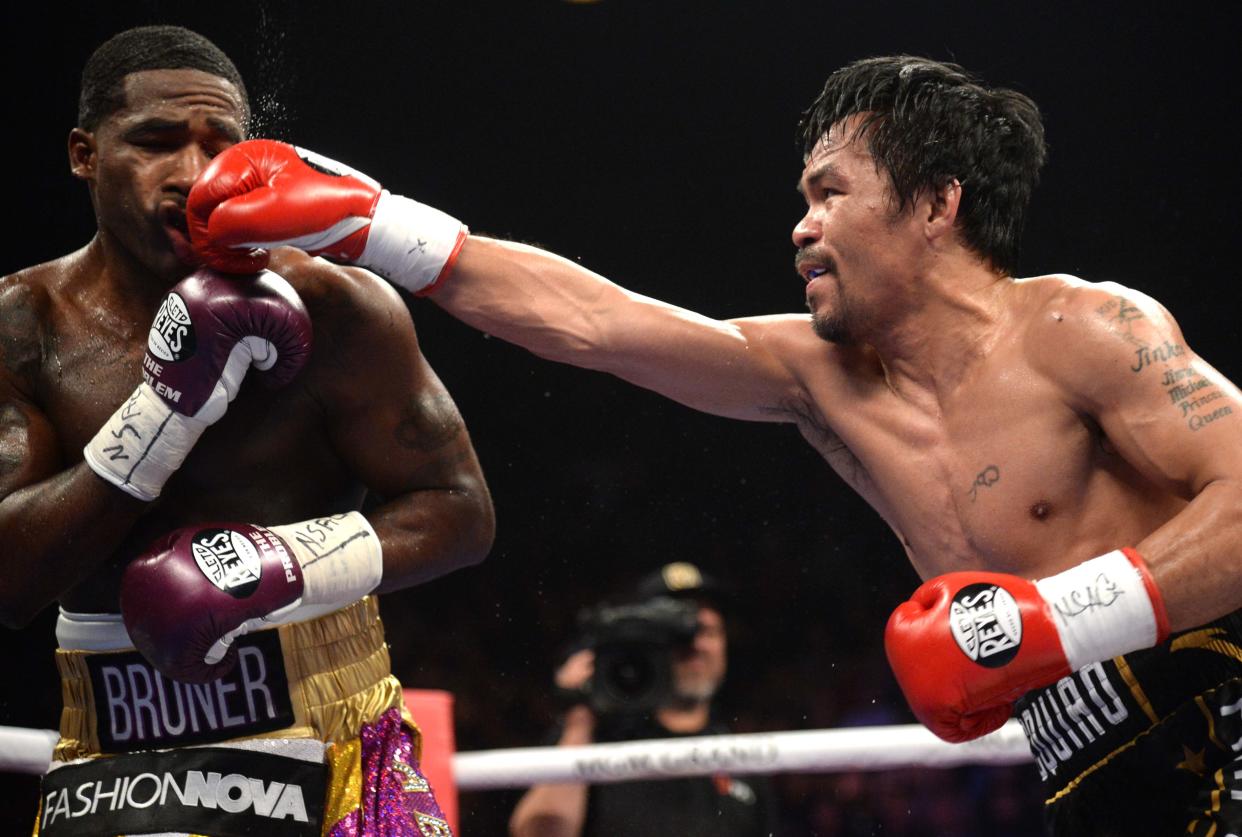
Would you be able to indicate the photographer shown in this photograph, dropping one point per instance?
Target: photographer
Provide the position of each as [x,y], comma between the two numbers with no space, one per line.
[648,669]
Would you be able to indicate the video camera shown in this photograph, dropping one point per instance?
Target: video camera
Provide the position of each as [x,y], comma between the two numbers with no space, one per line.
[633,646]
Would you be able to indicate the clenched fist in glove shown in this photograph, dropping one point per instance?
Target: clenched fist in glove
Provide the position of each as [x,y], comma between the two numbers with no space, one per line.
[209,330]
[968,644]
[262,194]
[196,589]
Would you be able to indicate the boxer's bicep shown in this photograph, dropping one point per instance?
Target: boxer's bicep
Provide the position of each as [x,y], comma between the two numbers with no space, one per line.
[28,446]
[1166,411]
[414,452]
[412,436]
[28,449]
[397,429]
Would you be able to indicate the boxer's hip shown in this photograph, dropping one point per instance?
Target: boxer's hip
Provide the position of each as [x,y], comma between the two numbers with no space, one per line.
[320,680]
[1153,729]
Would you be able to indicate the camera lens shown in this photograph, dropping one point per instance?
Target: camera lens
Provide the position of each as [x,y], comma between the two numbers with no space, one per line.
[632,674]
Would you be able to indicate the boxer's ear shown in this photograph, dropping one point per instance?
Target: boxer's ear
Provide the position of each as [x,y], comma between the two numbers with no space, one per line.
[82,154]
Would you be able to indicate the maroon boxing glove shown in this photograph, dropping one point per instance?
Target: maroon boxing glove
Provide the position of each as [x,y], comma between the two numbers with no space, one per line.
[210,328]
[196,585]
[196,589]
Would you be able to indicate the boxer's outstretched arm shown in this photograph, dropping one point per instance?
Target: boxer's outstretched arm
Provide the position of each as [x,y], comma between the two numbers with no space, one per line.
[262,194]
[741,368]
[1123,360]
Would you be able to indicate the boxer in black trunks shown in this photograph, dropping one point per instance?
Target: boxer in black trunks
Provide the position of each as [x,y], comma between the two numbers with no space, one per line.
[1054,458]
[83,497]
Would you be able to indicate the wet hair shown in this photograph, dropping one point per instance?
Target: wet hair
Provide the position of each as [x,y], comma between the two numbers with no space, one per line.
[147,48]
[927,123]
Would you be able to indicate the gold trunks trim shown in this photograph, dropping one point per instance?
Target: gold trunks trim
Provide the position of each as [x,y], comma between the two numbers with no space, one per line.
[337,666]
[1140,697]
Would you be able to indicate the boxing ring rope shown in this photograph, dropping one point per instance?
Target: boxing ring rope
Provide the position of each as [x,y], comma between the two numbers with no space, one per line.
[810,751]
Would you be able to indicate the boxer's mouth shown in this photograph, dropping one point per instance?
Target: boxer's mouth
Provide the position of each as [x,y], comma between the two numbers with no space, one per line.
[811,268]
[172,216]
[172,219]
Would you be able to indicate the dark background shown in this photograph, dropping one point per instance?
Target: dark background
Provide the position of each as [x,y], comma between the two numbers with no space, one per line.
[654,141]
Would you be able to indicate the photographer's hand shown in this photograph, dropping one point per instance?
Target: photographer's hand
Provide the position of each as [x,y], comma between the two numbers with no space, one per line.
[576,670]
[559,810]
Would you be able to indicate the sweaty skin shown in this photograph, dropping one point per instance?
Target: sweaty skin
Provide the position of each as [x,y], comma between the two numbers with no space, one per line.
[367,412]
[1021,426]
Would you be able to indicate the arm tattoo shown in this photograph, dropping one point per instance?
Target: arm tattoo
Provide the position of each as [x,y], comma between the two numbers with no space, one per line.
[1191,394]
[986,478]
[431,422]
[1122,313]
[20,349]
[825,441]
[13,424]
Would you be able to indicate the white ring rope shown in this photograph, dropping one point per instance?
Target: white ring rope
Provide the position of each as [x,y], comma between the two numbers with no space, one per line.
[811,751]
[26,750]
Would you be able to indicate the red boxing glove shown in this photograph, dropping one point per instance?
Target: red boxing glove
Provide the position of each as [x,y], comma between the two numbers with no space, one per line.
[262,194]
[968,644]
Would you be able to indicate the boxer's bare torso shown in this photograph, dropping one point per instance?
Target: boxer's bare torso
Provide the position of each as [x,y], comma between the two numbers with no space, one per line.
[73,346]
[1001,472]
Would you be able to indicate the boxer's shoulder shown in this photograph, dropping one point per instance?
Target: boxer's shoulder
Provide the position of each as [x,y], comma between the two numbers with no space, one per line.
[25,302]
[361,325]
[1058,304]
[338,293]
[1089,337]
[29,289]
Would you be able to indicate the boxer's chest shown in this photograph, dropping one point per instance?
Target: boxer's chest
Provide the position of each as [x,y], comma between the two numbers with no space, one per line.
[1003,477]
[264,438]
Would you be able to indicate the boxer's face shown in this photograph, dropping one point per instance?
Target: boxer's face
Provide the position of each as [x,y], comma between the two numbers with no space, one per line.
[699,669]
[141,161]
[855,249]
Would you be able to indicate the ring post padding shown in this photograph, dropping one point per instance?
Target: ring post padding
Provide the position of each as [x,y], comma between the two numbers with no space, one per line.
[432,710]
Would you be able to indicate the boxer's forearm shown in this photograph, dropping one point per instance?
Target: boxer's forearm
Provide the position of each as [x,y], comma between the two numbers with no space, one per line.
[429,533]
[564,312]
[53,534]
[535,299]
[1195,557]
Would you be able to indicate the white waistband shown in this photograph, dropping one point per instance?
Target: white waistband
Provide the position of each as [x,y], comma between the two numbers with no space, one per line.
[91,632]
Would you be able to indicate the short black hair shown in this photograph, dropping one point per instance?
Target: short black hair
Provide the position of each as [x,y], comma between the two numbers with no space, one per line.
[147,48]
[927,123]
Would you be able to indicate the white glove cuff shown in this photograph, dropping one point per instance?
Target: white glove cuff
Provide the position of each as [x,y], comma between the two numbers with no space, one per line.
[410,243]
[144,442]
[341,562]
[1101,609]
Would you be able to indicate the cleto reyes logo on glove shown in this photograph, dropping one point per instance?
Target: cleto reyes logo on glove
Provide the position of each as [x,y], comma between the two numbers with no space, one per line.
[986,623]
[229,560]
[172,334]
